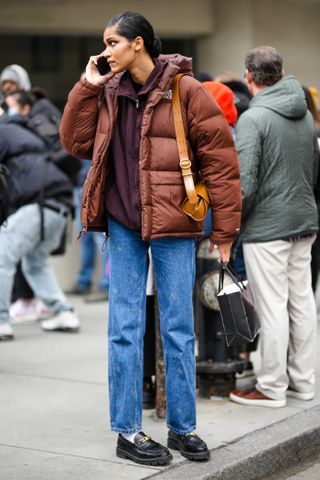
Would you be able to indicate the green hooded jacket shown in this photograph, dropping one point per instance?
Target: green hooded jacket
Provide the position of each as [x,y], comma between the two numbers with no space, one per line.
[278,153]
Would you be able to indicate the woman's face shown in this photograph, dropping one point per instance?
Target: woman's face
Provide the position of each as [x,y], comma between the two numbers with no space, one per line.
[120,52]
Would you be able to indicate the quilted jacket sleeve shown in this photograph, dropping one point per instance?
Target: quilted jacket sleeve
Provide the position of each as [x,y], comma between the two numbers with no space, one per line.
[249,150]
[215,152]
[79,120]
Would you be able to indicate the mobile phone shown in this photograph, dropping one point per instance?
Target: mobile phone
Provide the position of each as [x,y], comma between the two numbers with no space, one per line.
[103,66]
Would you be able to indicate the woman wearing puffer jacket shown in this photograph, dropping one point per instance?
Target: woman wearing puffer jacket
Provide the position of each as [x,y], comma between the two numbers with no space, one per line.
[134,189]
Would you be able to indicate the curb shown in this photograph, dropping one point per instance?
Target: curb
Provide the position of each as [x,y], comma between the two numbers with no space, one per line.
[261,453]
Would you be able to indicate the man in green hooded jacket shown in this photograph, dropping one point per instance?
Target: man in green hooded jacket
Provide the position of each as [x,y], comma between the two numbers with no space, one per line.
[279,156]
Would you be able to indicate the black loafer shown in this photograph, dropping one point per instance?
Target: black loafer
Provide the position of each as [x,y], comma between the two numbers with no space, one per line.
[144,450]
[190,446]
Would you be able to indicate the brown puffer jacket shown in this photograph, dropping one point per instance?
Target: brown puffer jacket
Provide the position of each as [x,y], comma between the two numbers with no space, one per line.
[86,131]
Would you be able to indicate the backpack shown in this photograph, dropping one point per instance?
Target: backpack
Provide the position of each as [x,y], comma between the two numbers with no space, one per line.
[4,193]
[47,128]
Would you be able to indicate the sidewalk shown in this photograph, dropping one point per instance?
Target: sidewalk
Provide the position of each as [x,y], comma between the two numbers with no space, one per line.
[54,412]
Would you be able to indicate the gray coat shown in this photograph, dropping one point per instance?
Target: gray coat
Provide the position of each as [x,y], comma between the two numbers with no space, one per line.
[279,156]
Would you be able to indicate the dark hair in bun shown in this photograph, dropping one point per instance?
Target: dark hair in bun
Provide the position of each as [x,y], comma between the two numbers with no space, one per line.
[157,47]
[132,25]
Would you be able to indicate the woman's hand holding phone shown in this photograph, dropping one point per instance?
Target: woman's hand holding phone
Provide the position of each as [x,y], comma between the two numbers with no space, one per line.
[98,70]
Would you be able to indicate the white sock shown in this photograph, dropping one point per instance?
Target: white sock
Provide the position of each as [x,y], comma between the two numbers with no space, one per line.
[129,436]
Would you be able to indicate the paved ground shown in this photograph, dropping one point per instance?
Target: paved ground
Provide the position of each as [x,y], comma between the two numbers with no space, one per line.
[308,471]
[54,408]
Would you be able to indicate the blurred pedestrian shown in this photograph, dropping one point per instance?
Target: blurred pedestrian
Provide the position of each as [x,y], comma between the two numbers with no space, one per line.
[14,77]
[315,251]
[32,179]
[135,186]
[93,250]
[25,307]
[233,104]
[242,96]
[279,158]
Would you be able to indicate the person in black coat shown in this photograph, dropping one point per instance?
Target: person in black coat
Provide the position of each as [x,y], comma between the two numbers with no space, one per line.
[40,200]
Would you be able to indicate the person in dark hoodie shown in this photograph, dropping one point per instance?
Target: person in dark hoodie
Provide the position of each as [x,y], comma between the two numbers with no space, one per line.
[123,121]
[36,188]
[279,156]
[25,306]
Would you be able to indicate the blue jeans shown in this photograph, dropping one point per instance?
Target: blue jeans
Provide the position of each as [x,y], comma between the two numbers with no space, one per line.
[174,266]
[20,239]
[91,244]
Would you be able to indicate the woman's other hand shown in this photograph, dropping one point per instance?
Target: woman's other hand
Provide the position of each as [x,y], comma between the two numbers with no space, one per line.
[224,251]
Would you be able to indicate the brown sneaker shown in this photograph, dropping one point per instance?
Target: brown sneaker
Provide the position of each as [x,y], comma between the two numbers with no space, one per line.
[255,398]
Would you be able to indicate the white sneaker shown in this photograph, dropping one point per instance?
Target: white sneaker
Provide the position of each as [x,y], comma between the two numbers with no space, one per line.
[300,395]
[65,321]
[25,310]
[43,310]
[6,332]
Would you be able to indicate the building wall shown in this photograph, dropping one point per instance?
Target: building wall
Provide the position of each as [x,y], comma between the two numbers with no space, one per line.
[290,26]
[223,30]
[83,17]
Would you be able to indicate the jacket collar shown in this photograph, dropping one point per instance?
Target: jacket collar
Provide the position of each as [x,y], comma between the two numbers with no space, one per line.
[126,88]
[170,66]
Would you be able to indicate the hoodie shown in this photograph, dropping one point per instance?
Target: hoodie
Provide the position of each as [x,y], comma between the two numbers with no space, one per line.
[123,196]
[18,75]
[224,97]
[278,155]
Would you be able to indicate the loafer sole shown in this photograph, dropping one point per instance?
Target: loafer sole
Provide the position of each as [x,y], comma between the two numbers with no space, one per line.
[174,445]
[143,461]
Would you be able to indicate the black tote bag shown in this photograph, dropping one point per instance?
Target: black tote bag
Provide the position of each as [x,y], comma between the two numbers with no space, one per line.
[239,317]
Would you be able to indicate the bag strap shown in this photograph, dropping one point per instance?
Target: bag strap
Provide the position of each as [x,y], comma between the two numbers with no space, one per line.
[185,163]
[234,277]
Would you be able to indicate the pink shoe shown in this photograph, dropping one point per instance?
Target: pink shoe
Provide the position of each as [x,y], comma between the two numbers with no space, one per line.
[28,310]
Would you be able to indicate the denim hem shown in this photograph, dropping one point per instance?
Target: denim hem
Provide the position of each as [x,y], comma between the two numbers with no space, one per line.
[128,430]
[182,432]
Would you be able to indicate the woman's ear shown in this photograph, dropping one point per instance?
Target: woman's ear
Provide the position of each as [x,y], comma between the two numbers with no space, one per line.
[138,43]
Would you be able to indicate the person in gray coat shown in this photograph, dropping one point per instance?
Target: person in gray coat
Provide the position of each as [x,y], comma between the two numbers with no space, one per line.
[278,153]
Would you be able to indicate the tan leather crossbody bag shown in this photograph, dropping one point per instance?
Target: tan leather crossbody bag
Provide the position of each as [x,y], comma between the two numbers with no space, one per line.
[197,203]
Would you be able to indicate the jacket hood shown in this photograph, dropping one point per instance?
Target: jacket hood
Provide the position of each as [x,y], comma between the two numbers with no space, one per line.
[286,98]
[16,74]
[224,97]
[184,64]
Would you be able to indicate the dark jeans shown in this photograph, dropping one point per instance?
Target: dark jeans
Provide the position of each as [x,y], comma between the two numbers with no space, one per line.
[149,356]
[21,288]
